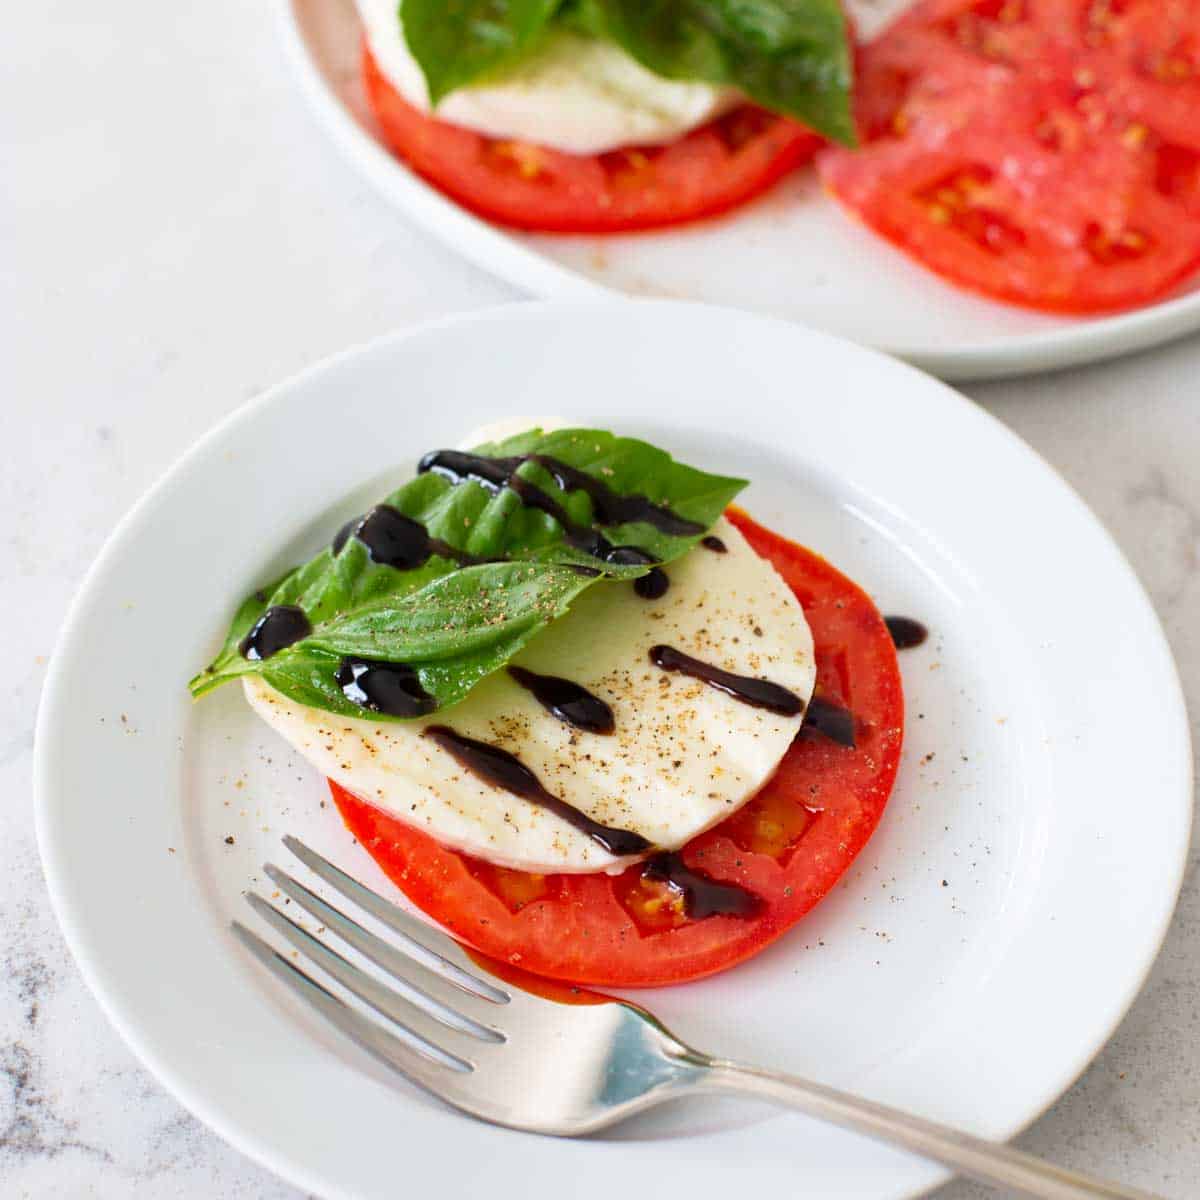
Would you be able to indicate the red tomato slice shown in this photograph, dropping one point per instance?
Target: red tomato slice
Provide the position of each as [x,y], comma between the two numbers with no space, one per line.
[712,169]
[789,845]
[1045,152]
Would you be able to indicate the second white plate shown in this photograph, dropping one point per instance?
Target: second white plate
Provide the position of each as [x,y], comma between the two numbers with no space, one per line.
[792,254]
[995,929]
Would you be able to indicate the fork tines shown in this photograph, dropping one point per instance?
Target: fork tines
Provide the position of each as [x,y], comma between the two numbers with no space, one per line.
[427,987]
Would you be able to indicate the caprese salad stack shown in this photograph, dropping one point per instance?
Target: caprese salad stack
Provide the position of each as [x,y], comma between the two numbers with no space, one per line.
[1042,152]
[606,115]
[595,722]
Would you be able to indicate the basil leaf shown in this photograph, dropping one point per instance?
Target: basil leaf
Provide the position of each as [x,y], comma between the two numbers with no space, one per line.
[455,624]
[456,614]
[629,468]
[455,631]
[230,663]
[791,56]
[462,41]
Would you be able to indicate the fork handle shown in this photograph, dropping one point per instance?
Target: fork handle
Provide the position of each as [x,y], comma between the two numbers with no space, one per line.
[988,1162]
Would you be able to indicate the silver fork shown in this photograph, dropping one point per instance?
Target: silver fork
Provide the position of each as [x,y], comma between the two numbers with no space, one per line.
[513,1058]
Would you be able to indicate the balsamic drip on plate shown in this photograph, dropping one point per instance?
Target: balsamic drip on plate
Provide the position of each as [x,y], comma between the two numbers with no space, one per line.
[759,693]
[503,770]
[568,701]
[280,626]
[714,543]
[906,633]
[834,721]
[398,541]
[384,687]
[702,896]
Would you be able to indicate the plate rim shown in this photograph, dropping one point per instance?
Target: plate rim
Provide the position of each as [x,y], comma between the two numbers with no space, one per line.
[104,988]
[493,249]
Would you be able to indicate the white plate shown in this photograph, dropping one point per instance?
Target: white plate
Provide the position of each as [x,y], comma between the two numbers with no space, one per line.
[793,254]
[977,955]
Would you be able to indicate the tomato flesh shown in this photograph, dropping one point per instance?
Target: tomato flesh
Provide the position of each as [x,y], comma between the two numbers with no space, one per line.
[789,845]
[1044,152]
[528,186]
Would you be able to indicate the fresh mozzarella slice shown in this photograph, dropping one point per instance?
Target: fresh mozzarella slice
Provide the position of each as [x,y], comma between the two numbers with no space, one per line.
[573,93]
[683,757]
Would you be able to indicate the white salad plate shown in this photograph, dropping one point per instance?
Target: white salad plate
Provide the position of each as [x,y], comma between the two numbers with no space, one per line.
[975,957]
[794,253]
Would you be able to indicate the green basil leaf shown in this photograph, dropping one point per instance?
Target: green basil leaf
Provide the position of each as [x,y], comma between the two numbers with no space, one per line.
[456,614]
[454,631]
[791,56]
[230,663]
[456,624]
[457,42]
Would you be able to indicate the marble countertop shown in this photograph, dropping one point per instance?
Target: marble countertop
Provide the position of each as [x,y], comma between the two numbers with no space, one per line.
[179,235]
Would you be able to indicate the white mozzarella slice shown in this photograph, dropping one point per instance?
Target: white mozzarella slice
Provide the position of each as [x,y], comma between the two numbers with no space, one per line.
[684,756]
[573,93]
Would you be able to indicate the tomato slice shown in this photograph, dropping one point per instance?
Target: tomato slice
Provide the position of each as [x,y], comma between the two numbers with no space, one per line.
[1044,152]
[788,846]
[712,169]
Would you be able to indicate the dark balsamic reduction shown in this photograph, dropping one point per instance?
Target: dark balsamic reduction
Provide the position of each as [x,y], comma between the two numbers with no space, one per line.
[610,508]
[343,535]
[568,701]
[651,586]
[834,721]
[458,465]
[714,543]
[630,556]
[702,896]
[384,687]
[398,541]
[503,770]
[906,632]
[279,627]
[759,693]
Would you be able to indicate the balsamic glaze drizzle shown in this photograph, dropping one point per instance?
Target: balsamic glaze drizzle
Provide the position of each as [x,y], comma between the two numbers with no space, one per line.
[280,626]
[906,633]
[503,770]
[568,701]
[651,586]
[834,721]
[343,535]
[714,543]
[582,537]
[702,896]
[398,541]
[630,556]
[610,508]
[759,693]
[384,687]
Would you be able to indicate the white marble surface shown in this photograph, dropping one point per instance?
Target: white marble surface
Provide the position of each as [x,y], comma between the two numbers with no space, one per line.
[176,235]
